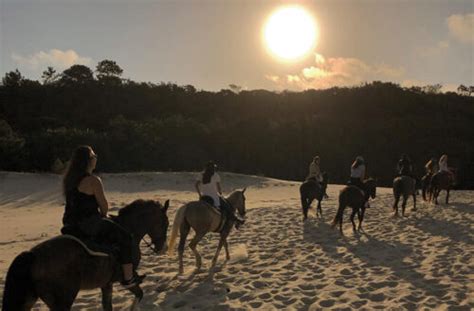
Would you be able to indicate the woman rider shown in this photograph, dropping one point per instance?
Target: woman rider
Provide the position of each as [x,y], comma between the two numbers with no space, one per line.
[208,185]
[358,168]
[86,209]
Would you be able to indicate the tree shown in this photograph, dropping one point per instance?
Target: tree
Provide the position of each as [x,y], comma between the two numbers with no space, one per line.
[432,88]
[77,74]
[13,79]
[50,76]
[109,72]
[463,90]
[235,88]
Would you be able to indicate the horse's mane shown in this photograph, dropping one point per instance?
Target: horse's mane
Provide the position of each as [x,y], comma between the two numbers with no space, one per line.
[137,205]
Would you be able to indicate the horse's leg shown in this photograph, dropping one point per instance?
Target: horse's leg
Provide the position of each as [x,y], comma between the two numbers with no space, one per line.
[107,297]
[218,250]
[447,196]
[436,193]
[352,219]
[320,209]
[192,246]
[395,205]
[414,201]
[61,298]
[183,234]
[361,217]
[226,247]
[404,204]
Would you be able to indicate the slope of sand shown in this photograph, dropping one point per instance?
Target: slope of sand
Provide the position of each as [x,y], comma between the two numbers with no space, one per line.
[424,260]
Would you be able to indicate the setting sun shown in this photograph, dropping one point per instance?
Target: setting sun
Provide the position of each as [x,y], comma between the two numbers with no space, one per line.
[290,32]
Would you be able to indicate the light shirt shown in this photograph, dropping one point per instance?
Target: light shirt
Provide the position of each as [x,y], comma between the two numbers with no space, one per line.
[443,166]
[315,171]
[210,189]
[358,172]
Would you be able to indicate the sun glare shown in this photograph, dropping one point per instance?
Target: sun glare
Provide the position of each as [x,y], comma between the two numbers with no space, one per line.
[290,33]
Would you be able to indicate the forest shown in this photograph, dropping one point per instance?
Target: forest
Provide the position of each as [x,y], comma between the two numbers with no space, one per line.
[137,126]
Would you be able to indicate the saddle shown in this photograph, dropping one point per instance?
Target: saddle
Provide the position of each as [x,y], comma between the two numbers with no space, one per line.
[91,246]
[218,210]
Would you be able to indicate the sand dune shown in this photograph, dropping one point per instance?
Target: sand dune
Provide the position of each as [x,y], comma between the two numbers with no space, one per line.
[424,260]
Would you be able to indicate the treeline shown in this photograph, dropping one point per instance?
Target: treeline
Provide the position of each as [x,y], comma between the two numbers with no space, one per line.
[144,126]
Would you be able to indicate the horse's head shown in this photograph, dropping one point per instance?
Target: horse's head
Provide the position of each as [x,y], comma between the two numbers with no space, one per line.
[371,187]
[237,201]
[147,218]
[160,225]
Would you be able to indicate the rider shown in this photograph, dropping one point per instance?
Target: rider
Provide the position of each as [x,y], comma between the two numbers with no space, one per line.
[431,166]
[358,169]
[209,185]
[443,166]
[405,167]
[315,172]
[86,209]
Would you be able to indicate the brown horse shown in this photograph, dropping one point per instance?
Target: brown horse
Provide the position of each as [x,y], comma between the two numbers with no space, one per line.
[55,270]
[203,218]
[406,186]
[311,190]
[355,198]
[440,181]
[425,185]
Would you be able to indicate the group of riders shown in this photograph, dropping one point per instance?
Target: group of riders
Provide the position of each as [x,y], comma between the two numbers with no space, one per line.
[404,168]
[87,207]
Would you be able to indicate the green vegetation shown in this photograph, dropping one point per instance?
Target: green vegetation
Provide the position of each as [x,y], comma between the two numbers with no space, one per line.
[144,126]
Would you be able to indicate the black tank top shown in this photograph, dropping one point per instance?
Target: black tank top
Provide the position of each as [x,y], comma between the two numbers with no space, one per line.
[79,206]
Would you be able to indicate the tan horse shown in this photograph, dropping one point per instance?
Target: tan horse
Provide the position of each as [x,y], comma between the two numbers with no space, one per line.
[203,218]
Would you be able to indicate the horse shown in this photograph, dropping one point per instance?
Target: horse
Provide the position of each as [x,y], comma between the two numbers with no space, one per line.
[440,181]
[56,269]
[425,185]
[406,186]
[203,218]
[310,190]
[354,197]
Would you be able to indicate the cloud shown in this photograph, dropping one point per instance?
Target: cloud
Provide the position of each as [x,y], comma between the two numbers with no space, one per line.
[461,27]
[330,72]
[55,58]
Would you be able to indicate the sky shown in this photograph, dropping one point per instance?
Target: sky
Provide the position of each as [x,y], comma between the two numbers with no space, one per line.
[211,44]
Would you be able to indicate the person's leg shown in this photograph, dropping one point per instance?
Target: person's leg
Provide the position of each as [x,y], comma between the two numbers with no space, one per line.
[114,232]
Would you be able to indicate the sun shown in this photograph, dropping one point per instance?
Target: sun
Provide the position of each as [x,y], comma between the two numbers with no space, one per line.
[290,33]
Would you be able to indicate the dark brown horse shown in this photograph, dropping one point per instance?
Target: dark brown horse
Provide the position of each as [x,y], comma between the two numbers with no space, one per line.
[311,190]
[425,185]
[55,270]
[355,198]
[404,186]
[440,181]
[203,218]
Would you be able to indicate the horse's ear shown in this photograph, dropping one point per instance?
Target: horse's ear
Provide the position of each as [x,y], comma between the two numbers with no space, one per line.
[165,207]
[244,190]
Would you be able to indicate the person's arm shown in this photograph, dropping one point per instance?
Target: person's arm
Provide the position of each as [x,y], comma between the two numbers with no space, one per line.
[196,185]
[362,176]
[219,189]
[99,194]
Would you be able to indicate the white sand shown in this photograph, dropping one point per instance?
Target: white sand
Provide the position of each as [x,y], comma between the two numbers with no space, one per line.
[278,262]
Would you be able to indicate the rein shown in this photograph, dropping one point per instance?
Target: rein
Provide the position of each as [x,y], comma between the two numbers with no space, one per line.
[150,246]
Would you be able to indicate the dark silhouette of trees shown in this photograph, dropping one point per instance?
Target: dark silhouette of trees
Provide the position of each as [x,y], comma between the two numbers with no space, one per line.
[12,79]
[76,74]
[145,126]
[109,72]
[50,76]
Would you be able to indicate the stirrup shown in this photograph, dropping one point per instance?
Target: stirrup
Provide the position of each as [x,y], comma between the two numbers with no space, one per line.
[134,281]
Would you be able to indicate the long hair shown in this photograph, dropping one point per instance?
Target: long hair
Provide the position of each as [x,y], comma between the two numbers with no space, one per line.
[358,161]
[444,158]
[208,172]
[77,169]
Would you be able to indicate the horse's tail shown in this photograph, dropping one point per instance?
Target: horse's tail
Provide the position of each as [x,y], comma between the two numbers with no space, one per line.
[19,289]
[339,214]
[178,220]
